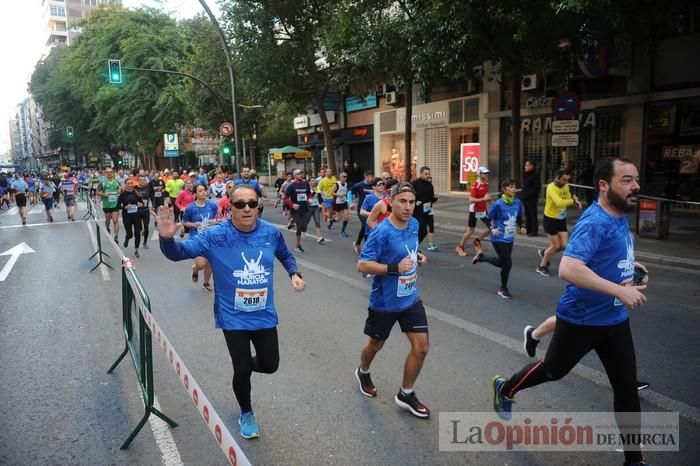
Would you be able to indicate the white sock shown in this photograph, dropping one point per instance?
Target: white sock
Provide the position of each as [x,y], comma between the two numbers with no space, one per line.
[363,371]
[406,391]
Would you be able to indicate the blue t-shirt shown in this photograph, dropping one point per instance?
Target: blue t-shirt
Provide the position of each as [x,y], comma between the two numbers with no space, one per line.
[196,214]
[389,245]
[368,204]
[251,182]
[243,267]
[606,245]
[504,218]
[20,186]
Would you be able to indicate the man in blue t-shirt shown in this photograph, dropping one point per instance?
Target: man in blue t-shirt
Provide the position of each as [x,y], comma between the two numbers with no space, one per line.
[361,190]
[391,255]
[247,179]
[242,254]
[592,313]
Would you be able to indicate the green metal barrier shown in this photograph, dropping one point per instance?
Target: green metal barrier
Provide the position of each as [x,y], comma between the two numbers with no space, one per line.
[137,336]
[99,250]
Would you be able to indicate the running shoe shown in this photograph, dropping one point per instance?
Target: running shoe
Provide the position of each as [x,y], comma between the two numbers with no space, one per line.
[410,402]
[136,254]
[544,271]
[642,385]
[504,293]
[299,249]
[24,221]
[321,240]
[477,257]
[344,235]
[356,248]
[461,251]
[126,243]
[145,246]
[433,247]
[116,239]
[249,426]
[290,226]
[366,386]
[477,245]
[529,342]
[330,224]
[540,252]
[501,403]
[51,219]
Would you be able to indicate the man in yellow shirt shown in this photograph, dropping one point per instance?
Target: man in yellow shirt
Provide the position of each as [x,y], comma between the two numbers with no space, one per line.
[173,187]
[325,187]
[558,198]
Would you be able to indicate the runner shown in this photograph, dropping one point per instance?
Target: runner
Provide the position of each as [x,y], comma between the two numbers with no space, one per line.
[197,217]
[143,189]
[20,187]
[108,190]
[381,210]
[325,187]
[248,179]
[129,201]
[592,314]
[314,208]
[557,199]
[425,197]
[68,187]
[224,205]
[46,190]
[242,254]
[217,190]
[31,188]
[391,255]
[173,186]
[503,218]
[478,197]
[296,197]
[360,191]
[184,199]
[94,182]
[340,203]
[157,189]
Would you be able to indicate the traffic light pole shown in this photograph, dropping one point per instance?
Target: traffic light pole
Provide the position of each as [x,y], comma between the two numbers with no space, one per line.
[232,78]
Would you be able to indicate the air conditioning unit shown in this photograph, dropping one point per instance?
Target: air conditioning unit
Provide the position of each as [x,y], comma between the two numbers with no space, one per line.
[529,82]
[391,98]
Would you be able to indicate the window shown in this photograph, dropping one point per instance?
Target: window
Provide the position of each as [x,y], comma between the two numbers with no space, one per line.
[58,11]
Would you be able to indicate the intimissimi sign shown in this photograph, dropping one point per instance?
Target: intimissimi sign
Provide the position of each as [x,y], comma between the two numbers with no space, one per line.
[540,124]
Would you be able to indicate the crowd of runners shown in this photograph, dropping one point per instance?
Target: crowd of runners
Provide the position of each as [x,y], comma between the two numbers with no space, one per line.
[228,241]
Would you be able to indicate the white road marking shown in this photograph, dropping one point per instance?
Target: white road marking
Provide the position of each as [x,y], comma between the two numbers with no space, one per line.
[293,230]
[30,225]
[14,253]
[103,268]
[37,209]
[691,413]
[11,211]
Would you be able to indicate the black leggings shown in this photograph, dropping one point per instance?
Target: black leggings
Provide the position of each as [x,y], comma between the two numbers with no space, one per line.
[361,233]
[266,359]
[132,221]
[504,251]
[570,343]
[143,220]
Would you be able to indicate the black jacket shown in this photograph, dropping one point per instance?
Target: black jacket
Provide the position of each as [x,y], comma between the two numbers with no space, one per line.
[424,193]
[531,186]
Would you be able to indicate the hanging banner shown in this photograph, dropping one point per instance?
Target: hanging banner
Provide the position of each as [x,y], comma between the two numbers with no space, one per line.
[469,162]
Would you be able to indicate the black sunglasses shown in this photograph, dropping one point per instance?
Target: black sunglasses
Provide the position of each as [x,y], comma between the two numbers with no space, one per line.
[240,205]
[380,183]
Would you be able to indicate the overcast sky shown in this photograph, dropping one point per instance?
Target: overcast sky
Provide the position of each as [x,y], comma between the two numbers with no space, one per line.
[22,39]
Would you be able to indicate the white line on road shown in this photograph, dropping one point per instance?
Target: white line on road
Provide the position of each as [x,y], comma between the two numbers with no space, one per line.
[93,240]
[284,228]
[30,225]
[37,209]
[11,211]
[689,412]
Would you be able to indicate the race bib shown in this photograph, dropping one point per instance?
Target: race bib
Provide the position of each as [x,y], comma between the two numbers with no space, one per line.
[95,185]
[406,285]
[561,214]
[158,194]
[250,300]
[132,209]
[479,214]
[428,208]
[112,197]
[301,197]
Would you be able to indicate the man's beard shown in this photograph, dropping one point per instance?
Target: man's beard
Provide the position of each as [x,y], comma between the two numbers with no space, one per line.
[619,202]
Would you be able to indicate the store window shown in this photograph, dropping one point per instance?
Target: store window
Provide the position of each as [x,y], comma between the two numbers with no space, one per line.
[392,154]
[459,136]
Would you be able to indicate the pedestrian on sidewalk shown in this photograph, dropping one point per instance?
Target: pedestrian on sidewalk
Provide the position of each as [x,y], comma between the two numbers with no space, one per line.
[242,254]
[423,212]
[529,196]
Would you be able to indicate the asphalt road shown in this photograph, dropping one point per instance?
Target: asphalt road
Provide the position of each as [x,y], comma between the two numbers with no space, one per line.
[60,329]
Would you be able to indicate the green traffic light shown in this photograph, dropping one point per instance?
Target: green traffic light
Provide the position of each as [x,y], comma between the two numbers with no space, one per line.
[227,150]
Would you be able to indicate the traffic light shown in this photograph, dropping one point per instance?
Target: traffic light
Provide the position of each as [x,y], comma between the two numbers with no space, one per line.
[227,148]
[115,71]
[120,162]
[69,131]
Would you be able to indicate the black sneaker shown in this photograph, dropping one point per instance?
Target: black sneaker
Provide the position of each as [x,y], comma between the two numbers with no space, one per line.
[477,257]
[544,271]
[116,239]
[366,386]
[145,245]
[410,402]
[299,249]
[529,342]
[126,243]
[136,254]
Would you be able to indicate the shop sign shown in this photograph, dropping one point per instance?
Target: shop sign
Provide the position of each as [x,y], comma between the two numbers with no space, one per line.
[565,126]
[688,156]
[426,119]
[469,162]
[302,121]
[537,102]
[565,140]
[539,124]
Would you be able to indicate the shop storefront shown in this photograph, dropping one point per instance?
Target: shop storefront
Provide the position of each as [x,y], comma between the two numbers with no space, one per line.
[438,130]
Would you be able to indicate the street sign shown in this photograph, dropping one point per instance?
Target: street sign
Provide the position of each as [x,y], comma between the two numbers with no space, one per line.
[469,157]
[171,146]
[564,140]
[565,126]
[226,129]
[566,105]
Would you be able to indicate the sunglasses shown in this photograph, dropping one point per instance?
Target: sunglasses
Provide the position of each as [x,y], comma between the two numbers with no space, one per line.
[381,183]
[240,205]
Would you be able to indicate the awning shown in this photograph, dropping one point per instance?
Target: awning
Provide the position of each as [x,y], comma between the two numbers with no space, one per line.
[289,152]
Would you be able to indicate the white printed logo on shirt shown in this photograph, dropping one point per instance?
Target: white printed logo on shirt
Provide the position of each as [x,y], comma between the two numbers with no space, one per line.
[626,266]
[253,273]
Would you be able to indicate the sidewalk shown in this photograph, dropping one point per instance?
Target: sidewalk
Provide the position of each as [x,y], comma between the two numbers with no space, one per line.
[682,249]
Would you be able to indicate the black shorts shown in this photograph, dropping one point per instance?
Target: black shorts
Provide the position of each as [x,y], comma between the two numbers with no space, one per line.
[413,320]
[109,210]
[69,199]
[553,226]
[21,199]
[472,219]
[301,219]
[340,207]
